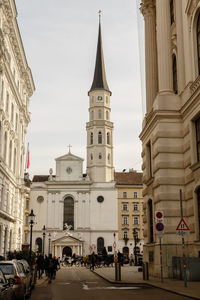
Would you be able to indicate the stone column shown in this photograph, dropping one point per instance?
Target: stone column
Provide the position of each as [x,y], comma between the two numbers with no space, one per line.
[148,11]
[49,209]
[165,76]
[56,208]
[180,47]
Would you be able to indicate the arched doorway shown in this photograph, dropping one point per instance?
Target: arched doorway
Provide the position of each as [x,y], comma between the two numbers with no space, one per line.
[100,244]
[67,251]
[38,243]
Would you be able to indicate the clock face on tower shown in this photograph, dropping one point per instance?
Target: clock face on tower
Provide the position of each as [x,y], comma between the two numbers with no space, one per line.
[99,98]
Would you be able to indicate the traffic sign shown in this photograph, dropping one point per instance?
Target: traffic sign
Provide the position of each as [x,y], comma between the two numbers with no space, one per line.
[159,216]
[160,226]
[182,226]
[181,232]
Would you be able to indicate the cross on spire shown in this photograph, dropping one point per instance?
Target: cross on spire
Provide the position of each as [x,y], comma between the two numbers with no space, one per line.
[69,146]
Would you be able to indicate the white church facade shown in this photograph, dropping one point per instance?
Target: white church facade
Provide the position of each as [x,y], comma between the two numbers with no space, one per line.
[84,203]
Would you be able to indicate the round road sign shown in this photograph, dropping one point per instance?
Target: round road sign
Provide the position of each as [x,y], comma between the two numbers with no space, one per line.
[160,226]
[159,215]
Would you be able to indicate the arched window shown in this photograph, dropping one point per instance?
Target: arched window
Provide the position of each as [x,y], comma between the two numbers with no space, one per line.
[16,121]
[91,156]
[12,112]
[150,208]
[107,115]
[91,138]
[5,146]
[100,244]
[38,243]
[109,157]
[99,137]
[7,102]
[99,114]
[175,82]
[68,217]
[10,154]
[198,42]
[172,11]
[198,208]
[100,156]
[135,221]
[14,161]
[108,138]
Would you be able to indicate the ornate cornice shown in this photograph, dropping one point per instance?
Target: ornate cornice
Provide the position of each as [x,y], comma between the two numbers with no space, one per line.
[195,85]
[147,7]
[10,28]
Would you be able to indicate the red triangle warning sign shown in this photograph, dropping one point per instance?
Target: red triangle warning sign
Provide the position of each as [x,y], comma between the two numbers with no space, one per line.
[182,226]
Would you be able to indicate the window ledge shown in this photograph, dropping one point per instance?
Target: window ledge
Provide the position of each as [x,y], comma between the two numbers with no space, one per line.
[195,166]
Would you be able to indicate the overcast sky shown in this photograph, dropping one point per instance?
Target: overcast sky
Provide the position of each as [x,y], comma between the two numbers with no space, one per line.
[60,40]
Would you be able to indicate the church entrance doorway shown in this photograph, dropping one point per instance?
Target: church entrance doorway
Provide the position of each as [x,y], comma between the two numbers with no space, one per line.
[67,251]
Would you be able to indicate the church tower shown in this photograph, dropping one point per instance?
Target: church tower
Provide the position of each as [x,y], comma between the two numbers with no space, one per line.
[100,128]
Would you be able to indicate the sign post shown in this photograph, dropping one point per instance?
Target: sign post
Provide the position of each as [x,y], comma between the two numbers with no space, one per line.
[159,232]
[181,230]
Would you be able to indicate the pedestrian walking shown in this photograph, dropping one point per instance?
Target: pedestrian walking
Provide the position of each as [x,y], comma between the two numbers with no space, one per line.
[50,268]
[92,261]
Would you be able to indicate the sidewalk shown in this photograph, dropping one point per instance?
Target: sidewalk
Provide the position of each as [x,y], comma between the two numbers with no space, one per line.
[41,281]
[131,275]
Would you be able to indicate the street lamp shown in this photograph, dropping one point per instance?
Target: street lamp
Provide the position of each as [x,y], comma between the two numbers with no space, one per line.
[43,234]
[135,236]
[31,217]
[49,243]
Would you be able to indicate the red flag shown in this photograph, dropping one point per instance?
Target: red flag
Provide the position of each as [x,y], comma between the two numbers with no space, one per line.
[27,158]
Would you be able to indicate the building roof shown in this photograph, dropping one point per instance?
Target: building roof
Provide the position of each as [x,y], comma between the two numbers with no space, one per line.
[40,178]
[128,178]
[99,81]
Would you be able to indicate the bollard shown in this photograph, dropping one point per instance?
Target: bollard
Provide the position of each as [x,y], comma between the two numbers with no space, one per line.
[117,271]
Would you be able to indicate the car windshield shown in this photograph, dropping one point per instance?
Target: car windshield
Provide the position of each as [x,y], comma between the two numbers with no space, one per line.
[7,269]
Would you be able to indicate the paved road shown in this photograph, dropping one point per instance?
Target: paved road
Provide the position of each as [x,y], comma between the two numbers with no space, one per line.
[79,283]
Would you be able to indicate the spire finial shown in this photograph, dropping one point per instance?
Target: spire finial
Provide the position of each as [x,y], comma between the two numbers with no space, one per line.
[99,12]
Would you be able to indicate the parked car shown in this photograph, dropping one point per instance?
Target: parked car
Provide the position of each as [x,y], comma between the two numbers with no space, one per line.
[6,288]
[13,269]
[29,275]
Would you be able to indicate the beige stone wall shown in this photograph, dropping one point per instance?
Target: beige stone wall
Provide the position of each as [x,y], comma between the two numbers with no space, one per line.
[169,128]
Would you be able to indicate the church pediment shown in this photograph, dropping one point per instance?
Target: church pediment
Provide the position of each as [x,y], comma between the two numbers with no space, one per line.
[69,157]
[67,240]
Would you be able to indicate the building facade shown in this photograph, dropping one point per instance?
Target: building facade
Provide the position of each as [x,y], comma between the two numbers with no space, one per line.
[130,212]
[16,88]
[171,131]
[76,207]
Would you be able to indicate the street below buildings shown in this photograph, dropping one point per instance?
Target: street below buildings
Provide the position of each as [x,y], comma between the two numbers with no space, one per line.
[82,284]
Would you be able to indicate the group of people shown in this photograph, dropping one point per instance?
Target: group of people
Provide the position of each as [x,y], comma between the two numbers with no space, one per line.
[47,265]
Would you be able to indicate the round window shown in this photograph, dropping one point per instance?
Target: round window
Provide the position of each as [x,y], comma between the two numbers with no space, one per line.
[40,199]
[100,199]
